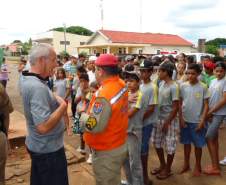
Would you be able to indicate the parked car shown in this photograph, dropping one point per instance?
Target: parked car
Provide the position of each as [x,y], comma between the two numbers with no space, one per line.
[198,57]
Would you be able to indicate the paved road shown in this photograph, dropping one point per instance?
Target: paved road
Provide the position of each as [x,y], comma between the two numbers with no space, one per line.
[80,176]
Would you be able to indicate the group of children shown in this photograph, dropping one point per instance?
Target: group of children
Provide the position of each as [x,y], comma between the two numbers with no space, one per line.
[166,101]
[79,89]
[163,109]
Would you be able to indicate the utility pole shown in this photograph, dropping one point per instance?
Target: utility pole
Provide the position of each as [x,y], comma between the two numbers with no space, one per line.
[102,14]
[65,44]
[141,13]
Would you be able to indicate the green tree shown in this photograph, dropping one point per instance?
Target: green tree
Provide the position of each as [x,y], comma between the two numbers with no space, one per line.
[212,49]
[26,46]
[16,42]
[217,42]
[64,54]
[75,30]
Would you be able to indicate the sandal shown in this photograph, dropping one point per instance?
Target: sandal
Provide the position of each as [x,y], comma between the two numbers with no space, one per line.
[212,171]
[163,177]
[156,171]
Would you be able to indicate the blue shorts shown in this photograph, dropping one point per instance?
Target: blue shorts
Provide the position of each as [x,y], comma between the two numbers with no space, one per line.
[188,135]
[146,135]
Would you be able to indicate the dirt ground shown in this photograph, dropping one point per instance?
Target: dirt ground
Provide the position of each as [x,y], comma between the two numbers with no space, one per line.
[81,173]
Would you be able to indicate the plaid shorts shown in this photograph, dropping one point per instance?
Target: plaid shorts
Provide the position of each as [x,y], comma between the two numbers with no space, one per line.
[167,140]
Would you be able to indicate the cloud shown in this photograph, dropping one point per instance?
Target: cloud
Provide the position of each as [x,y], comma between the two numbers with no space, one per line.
[198,5]
[197,24]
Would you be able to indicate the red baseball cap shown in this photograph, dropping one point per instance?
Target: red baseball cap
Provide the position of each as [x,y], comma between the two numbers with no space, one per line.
[209,64]
[106,60]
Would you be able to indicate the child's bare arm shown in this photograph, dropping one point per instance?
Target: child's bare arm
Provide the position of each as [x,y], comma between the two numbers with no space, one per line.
[171,116]
[132,112]
[181,119]
[68,92]
[204,115]
[150,110]
[219,105]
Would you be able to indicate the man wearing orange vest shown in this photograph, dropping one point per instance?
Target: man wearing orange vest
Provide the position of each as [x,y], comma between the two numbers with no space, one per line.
[106,122]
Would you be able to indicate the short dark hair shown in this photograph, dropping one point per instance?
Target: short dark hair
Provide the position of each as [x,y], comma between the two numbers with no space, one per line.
[195,67]
[221,64]
[168,67]
[84,76]
[81,55]
[134,77]
[81,69]
[110,70]
[190,59]
[66,58]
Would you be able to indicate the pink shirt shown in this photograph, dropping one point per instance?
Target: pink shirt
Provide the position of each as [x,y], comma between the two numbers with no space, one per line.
[4,72]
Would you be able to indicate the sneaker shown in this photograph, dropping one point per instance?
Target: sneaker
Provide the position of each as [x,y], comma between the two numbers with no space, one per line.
[124,182]
[223,162]
[82,151]
[89,160]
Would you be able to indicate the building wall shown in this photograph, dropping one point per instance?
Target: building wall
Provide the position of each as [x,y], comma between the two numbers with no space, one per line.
[98,39]
[153,49]
[75,40]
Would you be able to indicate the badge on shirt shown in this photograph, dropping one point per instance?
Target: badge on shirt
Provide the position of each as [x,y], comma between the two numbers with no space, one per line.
[97,107]
[91,123]
[198,95]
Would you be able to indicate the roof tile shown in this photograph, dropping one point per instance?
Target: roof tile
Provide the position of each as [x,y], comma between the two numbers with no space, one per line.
[145,38]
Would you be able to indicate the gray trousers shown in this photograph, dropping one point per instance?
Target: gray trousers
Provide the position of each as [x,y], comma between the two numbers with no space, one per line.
[3,155]
[133,165]
[107,165]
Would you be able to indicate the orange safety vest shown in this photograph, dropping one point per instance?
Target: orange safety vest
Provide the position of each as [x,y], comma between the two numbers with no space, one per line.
[115,133]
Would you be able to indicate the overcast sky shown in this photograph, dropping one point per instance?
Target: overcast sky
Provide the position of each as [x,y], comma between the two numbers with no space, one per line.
[191,19]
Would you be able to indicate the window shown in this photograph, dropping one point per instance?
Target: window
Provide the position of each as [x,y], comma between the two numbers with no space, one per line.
[120,50]
[82,43]
[63,42]
[140,51]
[104,50]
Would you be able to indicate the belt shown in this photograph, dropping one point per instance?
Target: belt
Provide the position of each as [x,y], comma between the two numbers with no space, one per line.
[113,151]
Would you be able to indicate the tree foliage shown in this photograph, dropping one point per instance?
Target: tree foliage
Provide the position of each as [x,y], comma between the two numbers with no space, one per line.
[26,46]
[212,46]
[75,30]
[16,42]
[64,54]
[212,49]
[217,42]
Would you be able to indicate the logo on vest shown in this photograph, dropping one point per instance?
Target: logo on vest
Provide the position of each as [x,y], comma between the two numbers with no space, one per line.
[91,123]
[97,107]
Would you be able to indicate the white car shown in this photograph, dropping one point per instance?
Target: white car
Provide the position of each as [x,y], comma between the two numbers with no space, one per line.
[199,56]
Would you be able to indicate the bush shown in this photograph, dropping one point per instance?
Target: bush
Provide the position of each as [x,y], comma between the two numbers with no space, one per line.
[212,49]
[64,54]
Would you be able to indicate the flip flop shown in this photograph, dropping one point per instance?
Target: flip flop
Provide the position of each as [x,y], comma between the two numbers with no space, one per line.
[212,172]
[156,171]
[163,177]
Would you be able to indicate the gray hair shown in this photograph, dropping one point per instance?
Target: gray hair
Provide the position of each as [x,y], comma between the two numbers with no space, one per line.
[38,51]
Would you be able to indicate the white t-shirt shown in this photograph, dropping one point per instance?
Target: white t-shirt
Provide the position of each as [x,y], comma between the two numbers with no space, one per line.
[92,77]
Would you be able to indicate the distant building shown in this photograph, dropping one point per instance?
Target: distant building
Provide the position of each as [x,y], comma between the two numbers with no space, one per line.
[57,40]
[14,49]
[119,42]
